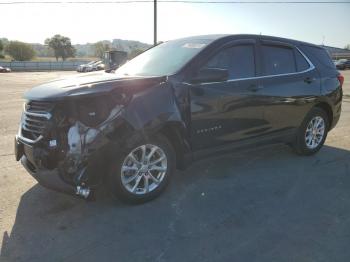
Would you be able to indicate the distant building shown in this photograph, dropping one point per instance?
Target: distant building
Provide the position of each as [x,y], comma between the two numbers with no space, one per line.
[113,59]
[337,53]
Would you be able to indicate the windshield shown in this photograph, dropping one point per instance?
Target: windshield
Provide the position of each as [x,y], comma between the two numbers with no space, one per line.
[164,59]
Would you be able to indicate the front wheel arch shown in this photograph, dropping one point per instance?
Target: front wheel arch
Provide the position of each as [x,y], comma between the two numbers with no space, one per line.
[175,132]
[114,181]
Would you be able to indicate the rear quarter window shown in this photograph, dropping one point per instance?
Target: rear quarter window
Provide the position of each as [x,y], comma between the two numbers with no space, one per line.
[302,64]
[321,55]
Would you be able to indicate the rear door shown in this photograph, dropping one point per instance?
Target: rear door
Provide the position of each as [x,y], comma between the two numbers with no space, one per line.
[224,112]
[290,85]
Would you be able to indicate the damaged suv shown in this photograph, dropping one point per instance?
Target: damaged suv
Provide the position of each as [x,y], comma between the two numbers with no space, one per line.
[176,102]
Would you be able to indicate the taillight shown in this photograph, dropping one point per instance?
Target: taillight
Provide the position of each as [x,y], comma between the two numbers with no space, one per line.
[341,79]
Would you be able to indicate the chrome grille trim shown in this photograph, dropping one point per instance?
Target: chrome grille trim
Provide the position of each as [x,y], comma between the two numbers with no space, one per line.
[38,106]
[34,121]
[30,129]
[27,140]
[47,115]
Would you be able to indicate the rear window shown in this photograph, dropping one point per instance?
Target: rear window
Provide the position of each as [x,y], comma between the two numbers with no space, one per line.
[321,55]
[278,60]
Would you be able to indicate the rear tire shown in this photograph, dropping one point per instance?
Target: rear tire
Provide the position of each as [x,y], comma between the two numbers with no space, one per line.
[142,171]
[312,133]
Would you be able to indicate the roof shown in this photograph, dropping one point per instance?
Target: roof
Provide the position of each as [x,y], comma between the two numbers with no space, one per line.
[233,36]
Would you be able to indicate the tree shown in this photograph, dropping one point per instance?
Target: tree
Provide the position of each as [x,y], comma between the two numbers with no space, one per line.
[20,51]
[62,46]
[100,48]
[347,47]
[1,48]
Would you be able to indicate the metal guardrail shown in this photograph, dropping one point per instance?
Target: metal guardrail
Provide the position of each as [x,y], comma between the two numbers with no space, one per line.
[43,66]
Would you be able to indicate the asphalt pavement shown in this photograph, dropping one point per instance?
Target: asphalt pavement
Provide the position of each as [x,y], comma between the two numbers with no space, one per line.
[263,204]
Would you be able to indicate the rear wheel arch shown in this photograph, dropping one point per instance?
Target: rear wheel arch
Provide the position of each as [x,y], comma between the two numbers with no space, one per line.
[305,132]
[328,109]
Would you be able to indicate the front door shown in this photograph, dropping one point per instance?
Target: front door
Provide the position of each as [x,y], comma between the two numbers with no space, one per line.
[224,112]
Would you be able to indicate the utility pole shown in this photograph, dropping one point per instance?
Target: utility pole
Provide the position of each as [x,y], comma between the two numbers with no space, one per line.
[155,23]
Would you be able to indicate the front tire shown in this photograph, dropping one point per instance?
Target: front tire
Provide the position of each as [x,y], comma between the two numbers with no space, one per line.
[142,171]
[312,133]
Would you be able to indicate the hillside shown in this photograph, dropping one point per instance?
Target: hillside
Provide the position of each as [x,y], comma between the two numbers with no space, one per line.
[87,50]
[118,44]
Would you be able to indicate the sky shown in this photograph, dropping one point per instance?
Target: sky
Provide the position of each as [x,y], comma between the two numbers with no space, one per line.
[315,23]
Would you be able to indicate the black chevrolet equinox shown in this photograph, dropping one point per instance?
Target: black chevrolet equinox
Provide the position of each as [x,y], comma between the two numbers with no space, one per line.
[175,103]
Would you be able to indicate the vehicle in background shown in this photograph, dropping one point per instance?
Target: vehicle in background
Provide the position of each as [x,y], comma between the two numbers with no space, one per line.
[174,103]
[343,64]
[114,59]
[82,68]
[5,69]
[97,66]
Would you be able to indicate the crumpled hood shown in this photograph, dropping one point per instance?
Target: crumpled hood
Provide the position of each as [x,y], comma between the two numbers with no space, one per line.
[89,84]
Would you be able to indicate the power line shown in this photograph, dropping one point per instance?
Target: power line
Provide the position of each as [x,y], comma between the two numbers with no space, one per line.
[175,1]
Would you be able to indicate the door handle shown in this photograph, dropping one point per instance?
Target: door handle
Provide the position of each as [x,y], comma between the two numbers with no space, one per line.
[254,87]
[309,80]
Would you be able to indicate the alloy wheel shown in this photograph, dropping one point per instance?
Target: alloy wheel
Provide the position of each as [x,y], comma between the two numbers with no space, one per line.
[315,132]
[143,169]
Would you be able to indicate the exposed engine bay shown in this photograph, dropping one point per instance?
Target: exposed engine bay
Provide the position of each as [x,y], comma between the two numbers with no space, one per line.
[74,131]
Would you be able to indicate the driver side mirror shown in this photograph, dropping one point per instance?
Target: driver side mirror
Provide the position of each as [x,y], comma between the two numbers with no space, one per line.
[209,75]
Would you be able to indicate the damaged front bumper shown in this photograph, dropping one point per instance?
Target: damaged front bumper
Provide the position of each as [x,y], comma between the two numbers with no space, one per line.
[48,178]
[68,157]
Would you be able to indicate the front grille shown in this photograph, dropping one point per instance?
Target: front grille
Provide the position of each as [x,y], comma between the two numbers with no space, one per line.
[35,119]
[39,106]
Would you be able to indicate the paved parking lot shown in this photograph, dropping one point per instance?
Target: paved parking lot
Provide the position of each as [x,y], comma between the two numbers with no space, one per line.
[257,205]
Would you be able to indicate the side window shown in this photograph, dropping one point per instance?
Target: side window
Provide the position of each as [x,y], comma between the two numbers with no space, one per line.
[220,60]
[320,54]
[278,60]
[243,61]
[302,64]
[238,60]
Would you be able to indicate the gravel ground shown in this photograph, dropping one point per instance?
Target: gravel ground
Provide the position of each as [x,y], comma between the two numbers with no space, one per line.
[265,204]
